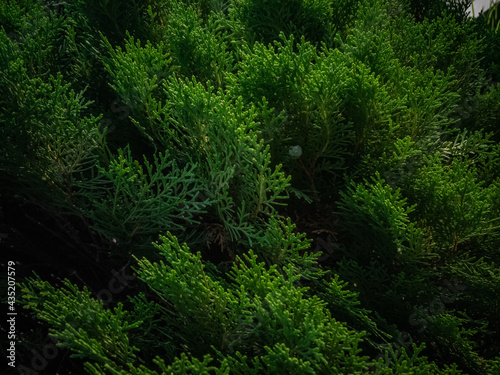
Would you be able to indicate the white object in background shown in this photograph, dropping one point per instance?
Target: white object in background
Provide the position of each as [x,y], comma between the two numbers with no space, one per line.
[479,5]
[295,152]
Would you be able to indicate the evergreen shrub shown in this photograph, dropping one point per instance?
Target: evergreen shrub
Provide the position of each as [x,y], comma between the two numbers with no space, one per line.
[213,145]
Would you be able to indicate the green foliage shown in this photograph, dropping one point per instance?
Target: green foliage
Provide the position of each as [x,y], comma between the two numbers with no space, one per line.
[368,41]
[404,363]
[275,72]
[494,366]
[195,123]
[479,150]
[344,15]
[483,280]
[430,9]
[114,19]
[378,221]
[453,205]
[480,112]
[260,315]
[45,131]
[456,48]
[198,303]
[345,305]
[82,323]
[384,248]
[438,43]
[235,167]
[399,169]
[198,49]
[130,203]
[37,34]
[402,91]
[139,89]
[197,119]
[493,18]
[281,246]
[429,107]
[309,95]
[268,19]
[297,333]
[454,341]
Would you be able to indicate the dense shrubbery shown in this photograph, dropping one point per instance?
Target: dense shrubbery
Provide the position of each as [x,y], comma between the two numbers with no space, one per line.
[208,143]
